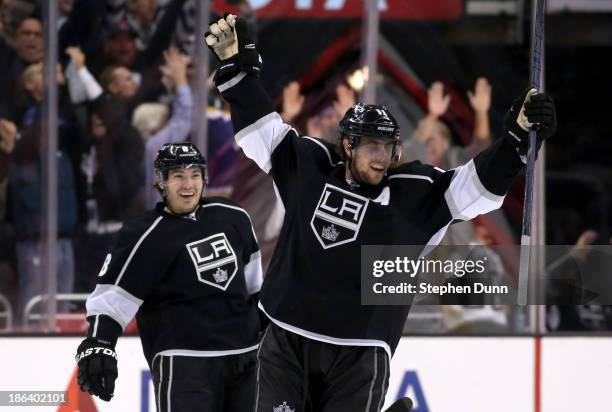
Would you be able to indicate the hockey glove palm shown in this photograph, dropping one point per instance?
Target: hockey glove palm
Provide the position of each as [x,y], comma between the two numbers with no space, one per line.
[230,41]
[530,110]
[97,362]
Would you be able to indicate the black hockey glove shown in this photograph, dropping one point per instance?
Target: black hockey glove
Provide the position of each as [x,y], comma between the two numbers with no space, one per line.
[97,363]
[530,110]
[230,41]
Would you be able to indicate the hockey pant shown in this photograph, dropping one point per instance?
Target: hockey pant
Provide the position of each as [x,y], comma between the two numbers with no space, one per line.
[205,384]
[298,374]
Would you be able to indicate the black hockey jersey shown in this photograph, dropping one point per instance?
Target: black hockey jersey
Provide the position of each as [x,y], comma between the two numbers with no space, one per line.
[189,281]
[312,287]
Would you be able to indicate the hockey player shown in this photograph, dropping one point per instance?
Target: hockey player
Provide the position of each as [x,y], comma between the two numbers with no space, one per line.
[189,270]
[323,350]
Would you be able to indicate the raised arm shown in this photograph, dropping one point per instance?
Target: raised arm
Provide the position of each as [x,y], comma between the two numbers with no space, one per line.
[480,185]
[260,131]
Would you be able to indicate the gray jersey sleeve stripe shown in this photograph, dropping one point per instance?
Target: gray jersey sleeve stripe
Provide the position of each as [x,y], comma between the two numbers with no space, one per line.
[411,176]
[114,302]
[133,252]
[480,187]
[231,82]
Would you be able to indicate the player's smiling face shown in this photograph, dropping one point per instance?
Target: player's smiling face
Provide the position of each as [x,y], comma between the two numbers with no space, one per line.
[370,160]
[183,189]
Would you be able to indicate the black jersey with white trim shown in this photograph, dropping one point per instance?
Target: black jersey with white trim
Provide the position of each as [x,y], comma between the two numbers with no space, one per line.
[190,281]
[313,283]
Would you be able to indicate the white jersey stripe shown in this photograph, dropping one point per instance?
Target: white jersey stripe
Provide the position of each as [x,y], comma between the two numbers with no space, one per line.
[135,248]
[328,339]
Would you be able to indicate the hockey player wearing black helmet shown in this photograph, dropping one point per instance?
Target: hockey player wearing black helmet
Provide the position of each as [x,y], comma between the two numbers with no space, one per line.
[369,138]
[181,175]
[189,271]
[324,350]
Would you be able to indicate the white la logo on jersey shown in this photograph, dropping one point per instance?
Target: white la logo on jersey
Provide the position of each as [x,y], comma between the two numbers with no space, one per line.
[338,216]
[214,260]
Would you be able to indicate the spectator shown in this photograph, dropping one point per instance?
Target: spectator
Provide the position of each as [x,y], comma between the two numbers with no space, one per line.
[575,278]
[64,8]
[433,137]
[156,126]
[138,31]
[112,180]
[325,123]
[25,193]
[8,277]
[119,82]
[120,47]
[141,16]
[27,49]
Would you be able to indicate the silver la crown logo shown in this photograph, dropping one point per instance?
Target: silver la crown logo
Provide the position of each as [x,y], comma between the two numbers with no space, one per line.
[330,233]
[220,275]
[283,408]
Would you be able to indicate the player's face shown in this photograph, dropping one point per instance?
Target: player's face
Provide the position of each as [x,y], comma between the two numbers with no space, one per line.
[184,189]
[371,159]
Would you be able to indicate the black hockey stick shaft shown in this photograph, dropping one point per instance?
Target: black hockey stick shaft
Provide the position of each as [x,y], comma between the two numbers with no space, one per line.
[401,405]
[536,80]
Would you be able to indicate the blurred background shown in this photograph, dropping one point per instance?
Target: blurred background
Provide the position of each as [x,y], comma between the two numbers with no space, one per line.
[91,89]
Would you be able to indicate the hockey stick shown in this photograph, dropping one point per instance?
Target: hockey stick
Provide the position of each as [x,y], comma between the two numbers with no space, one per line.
[401,405]
[537,81]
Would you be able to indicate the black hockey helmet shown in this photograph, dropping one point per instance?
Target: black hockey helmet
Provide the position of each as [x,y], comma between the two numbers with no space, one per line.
[178,155]
[370,120]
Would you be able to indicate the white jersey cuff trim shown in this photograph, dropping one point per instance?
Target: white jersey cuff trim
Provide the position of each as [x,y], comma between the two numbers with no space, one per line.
[204,353]
[328,339]
[114,302]
[466,197]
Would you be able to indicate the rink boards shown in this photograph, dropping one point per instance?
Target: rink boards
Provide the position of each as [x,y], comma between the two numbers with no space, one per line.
[439,374]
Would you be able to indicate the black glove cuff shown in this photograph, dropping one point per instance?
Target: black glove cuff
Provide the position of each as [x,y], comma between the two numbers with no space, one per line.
[226,70]
[250,62]
[104,329]
[519,139]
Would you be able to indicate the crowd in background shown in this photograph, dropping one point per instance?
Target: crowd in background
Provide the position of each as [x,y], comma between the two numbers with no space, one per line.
[125,80]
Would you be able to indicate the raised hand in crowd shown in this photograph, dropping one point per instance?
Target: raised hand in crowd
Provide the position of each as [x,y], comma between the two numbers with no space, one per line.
[174,70]
[480,100]
[8,133]
[437,105]
[437,100]
[293,101]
